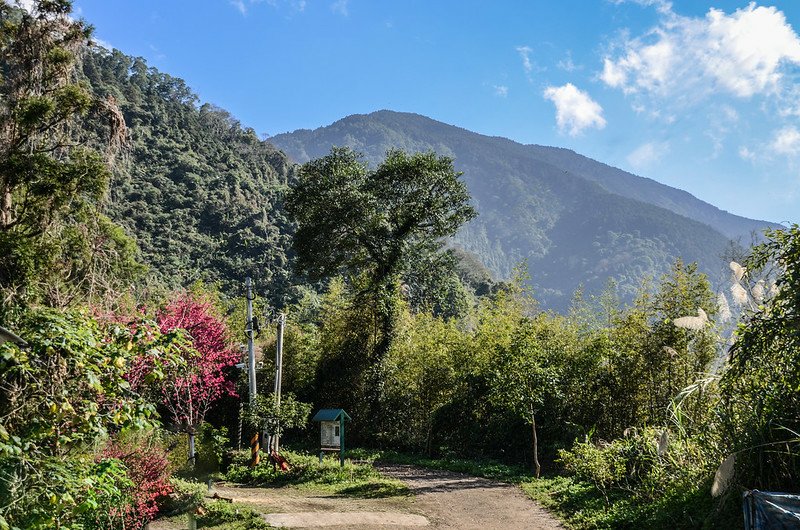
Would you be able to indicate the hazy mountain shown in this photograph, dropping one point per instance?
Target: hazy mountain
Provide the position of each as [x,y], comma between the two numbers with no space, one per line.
[575,220]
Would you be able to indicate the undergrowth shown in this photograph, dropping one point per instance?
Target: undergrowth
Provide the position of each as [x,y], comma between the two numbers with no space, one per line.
[355,479]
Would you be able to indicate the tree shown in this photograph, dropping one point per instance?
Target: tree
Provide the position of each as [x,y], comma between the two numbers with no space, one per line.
[527,373]
[274,418]
[375,225]
[681,342]
[192,386]
[50,180]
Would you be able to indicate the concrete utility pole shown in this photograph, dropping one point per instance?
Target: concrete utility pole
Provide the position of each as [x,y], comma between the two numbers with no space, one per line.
[251,350]
[251,366]
[278,372]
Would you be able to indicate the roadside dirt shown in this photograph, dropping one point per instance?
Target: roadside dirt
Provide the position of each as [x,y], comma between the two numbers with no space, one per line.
[441,500]
[454,500]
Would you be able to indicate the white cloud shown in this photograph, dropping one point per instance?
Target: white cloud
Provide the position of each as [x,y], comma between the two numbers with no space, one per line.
[746,154]
[102,43]
[647,154]
[742,54]
[567,64]
[614,75]
[340,7]
[293,5]
[664,6]
[525,53]
[786,141]
[575,110]
[240,6]
[721,120]
[500,90]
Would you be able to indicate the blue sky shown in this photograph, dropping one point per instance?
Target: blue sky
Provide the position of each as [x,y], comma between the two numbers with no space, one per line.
[703,96]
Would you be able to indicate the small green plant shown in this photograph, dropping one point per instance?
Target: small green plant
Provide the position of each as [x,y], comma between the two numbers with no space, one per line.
[276,417]
[231,516]
[211,448]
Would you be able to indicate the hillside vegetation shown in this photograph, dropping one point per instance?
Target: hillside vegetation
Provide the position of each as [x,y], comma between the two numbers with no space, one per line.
[576,221]
[200,193]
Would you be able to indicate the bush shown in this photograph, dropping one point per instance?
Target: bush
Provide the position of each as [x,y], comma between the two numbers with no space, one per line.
[185,496]
[231,516]
[646,463]
[148,470]
[358,480]
[211,446]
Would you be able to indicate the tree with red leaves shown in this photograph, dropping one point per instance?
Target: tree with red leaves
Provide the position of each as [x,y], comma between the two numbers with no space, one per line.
[148,469]
[192,386]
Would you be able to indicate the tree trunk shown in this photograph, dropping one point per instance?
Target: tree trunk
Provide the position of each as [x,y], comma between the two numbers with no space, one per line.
[5,207]
[386,310]
[192,453]
[536,465]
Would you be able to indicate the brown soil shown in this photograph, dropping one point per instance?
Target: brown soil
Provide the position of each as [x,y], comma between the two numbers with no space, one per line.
[441,499]
[454,500]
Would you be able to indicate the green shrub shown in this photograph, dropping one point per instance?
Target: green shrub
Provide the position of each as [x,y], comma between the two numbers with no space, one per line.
[231,516]
[185,496]
[211,446]
[647,463]
[359,480]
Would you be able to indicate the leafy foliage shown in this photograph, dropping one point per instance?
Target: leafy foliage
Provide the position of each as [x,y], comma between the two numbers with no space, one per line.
[274,417]
[352,479]
[59,397]
[55,243]
[759,390]
[146,467]
[374,227]
[191,387]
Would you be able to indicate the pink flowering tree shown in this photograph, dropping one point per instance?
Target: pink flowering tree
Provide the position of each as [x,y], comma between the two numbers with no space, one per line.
[190,387]
[147,468]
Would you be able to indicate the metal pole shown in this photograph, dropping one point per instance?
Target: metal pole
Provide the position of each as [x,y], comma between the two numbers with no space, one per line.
[241,421]
[279,370]
[251,367]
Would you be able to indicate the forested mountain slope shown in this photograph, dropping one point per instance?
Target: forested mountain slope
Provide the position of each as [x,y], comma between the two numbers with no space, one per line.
[200,193]
[647,190]
[576,221]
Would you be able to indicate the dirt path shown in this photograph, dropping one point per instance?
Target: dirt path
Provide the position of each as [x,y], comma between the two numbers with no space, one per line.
[454,500]
[441,500]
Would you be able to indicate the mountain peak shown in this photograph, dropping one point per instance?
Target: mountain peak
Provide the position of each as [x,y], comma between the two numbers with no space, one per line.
[575,220]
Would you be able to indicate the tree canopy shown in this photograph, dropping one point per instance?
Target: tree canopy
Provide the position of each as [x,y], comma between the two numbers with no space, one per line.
[356,220]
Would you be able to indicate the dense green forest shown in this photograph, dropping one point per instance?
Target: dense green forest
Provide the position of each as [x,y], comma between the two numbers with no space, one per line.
[200,194]
[130,214]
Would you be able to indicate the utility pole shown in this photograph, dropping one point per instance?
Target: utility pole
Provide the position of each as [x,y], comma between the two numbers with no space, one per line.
[279,371]
[251,367]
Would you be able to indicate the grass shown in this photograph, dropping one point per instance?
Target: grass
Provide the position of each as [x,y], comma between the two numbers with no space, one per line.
[231,516]
[490,469]
[359,479]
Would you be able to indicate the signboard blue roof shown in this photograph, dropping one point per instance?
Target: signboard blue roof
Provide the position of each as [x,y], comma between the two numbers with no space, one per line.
[330,415]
